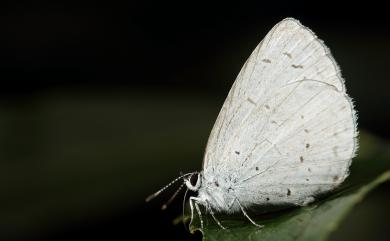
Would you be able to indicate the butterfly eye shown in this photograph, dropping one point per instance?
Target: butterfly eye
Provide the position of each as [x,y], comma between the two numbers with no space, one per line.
[193,179]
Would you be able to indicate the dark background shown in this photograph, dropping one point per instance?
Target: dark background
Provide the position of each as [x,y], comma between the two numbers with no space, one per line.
[103,103]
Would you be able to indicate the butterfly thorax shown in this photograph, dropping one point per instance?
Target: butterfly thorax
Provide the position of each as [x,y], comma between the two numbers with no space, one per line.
[218,194]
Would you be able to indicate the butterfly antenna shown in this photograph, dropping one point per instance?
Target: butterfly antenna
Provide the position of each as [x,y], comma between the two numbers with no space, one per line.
[168,185]
[184,205]
[163,207]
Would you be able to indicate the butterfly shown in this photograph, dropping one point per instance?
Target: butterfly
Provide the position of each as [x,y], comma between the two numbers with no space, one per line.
[286,133]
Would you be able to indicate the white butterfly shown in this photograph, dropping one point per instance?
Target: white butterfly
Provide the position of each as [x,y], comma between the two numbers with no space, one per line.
[286,132]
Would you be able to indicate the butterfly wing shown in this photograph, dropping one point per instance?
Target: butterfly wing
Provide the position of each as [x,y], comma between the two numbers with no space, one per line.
[286,122]
[305,146]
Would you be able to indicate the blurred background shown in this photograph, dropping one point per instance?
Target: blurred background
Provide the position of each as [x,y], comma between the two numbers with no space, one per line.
[103,103]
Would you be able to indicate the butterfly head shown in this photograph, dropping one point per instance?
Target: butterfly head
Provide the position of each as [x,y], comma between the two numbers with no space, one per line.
[194,181]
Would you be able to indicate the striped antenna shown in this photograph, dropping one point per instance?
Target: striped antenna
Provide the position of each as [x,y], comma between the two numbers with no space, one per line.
[163,207]
[168,185]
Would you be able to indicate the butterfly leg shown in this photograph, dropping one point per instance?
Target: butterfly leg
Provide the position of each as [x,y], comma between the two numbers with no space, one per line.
[192,211]
[192,201]
[200,214]
[246,215]
[215,219]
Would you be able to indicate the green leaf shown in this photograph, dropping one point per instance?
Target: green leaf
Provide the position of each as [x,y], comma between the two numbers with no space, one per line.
[316,221]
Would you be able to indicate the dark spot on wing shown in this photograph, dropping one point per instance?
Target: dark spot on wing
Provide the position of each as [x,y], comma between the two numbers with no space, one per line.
[297,66]
[288,192]
[307,145]
[301,158]
[307,179]
[335,178]
[287,54]
[267,106]
[266,61]
[309,169]
[251,101]
[306,130]
[267,199]
[257,168]
[216,183]
[237,152]
[335,150]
